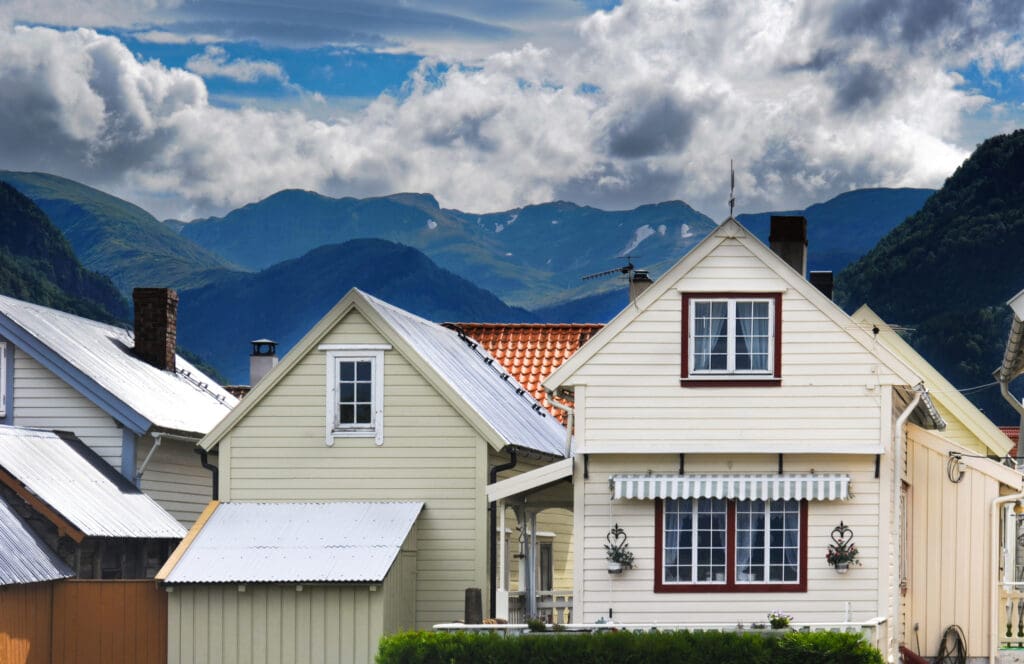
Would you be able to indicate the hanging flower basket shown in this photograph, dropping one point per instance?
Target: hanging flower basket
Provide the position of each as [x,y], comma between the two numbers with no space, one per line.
[842,552]
[617,551]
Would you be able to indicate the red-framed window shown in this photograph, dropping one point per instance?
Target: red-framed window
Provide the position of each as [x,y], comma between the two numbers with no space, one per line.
[718,545]
[731,339]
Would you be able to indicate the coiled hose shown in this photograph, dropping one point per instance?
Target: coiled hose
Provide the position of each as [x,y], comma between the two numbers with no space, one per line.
[953,649]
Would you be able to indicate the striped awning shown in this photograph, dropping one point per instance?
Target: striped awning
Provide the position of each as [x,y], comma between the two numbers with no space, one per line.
[767,486]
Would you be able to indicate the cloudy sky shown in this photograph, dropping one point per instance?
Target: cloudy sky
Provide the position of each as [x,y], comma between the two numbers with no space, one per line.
[193,107]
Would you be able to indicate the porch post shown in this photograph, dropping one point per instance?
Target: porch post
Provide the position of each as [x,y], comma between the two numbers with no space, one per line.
[501,588]
[531,566]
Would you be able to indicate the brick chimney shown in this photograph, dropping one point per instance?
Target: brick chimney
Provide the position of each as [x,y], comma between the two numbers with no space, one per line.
[156,326]
[639,280]
[823,281]
[788,239]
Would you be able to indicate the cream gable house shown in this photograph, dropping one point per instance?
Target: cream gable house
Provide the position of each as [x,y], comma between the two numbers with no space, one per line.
[373,406]
[733,422]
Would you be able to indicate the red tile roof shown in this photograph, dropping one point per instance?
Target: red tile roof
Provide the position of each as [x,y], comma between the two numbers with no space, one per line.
[531,352]
[1013,433]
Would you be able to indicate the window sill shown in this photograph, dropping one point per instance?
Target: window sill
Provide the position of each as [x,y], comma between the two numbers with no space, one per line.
[731,381]
[376,435]
[731,588]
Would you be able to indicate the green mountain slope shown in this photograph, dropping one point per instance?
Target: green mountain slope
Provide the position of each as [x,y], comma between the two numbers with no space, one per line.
[116,238]
[284,301]
[38,265]
[947,271]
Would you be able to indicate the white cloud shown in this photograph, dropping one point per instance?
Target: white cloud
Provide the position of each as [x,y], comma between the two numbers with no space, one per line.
[214,62]
[165,37]
[649,105]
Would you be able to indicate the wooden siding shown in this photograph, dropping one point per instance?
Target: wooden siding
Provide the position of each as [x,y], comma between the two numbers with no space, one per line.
[631,595]
[25,623]
[399,589]
[950,574]
[274,624]
[830,382]
[175,479]
[277,452]
[43,400]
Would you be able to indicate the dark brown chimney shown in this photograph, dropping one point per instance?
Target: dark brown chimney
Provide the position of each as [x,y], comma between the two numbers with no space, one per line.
[156,326]
[639,280]
[788,239]
[823,281]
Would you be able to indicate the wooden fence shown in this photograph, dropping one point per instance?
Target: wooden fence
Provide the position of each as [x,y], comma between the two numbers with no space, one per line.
[83,622]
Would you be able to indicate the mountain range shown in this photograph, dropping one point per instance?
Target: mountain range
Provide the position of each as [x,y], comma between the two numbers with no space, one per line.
[272,268]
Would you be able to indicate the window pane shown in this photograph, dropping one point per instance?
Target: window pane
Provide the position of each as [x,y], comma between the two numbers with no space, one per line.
[694,555]
[346,392]
[363,414]
[761,309]
[363,392]
[346,415]
[363,371]
[767,541]
[346,370]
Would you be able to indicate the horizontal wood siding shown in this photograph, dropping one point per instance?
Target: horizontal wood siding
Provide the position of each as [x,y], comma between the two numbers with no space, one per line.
[631,595]
[949,578]
[175,479]
[43,400]
[25,623]
[278,452]
[399,590]
[274,624]
[830,390]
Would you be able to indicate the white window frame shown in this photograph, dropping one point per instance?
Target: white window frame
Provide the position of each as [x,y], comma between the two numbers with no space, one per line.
[373,353]
[730,333]
[4,359]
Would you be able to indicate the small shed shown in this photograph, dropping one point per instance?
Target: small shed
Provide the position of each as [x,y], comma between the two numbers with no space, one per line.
[292,582]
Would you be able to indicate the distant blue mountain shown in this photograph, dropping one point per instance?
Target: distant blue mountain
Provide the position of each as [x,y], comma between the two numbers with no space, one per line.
[844,228]
[284,301]
[532,256]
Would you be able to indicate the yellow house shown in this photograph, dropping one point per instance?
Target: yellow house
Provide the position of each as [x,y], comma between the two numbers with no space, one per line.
[374,405]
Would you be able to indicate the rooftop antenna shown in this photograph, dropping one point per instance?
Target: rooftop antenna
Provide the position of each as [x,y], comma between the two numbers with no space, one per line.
[732,189]
[625,269]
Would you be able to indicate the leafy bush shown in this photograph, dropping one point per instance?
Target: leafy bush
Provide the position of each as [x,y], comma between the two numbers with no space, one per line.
[626,648]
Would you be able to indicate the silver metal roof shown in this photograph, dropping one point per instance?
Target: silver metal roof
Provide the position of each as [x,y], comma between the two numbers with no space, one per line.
[77,484]
[170,401]
[24,558]
[297,543]
[480,384]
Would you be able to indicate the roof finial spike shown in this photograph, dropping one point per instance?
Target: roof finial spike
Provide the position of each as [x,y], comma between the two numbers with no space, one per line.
[732,189]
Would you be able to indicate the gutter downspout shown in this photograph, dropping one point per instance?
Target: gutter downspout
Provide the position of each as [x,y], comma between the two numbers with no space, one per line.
[157,439]
[204,460]
[570,420]
[898,434]
[492,519]
[997,505]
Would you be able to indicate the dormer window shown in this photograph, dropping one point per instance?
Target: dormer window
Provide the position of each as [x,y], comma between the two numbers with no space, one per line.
[355,391]
[731,338]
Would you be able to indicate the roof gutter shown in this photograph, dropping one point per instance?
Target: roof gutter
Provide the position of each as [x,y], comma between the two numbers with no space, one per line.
[1009,369]
[570,420]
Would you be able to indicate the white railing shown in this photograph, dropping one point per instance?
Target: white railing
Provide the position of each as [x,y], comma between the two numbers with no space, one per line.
[1011,614]
[553,606]
[874,631]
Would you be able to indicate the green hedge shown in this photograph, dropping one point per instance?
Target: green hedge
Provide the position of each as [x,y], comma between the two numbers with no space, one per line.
[626,648]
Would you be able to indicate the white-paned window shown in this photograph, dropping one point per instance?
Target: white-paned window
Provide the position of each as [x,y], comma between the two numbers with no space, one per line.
[355,392]
[718,545]
[729,337]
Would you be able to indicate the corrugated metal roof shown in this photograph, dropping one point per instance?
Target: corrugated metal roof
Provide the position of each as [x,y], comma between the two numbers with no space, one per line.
[82,487]
[24,558]
[297,543]
[170,401]
[531,351]
[480,384]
